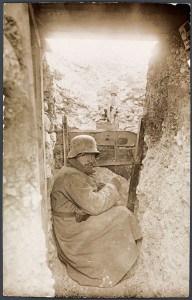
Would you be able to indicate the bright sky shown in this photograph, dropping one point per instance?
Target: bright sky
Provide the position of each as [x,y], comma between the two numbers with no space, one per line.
[103,50]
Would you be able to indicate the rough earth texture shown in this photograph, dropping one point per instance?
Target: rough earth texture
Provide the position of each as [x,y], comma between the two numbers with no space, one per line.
[163,190]
[24,243]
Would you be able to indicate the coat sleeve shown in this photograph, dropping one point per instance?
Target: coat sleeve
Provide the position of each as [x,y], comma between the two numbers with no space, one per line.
[93,203]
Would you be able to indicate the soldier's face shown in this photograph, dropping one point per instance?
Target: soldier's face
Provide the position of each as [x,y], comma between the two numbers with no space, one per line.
[87,159]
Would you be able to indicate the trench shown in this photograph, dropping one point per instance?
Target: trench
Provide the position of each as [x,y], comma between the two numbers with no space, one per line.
[80,87]
[151,84]
[144,92]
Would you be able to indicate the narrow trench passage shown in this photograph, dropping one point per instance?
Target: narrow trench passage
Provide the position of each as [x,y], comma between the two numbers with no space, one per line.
[84,75]
[80,86]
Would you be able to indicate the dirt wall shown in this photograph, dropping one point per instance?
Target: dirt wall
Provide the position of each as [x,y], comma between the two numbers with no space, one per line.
[163,190]
[25,269]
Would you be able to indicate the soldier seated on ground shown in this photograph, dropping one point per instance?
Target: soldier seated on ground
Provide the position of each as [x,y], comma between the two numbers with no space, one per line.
[95,237]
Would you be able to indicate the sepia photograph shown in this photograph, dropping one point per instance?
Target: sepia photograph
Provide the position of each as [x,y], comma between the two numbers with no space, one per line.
[96,149]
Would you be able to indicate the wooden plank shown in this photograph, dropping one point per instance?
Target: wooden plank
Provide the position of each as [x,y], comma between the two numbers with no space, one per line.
[112,163]
[136,167]
[124,155]
[118,138]
[124,171]
[111,155]
[37,60]
[65,139]
[31,11]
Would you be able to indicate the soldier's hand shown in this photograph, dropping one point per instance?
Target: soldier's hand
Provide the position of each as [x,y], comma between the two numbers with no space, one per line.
[100,185]
[116,182]
[80,215]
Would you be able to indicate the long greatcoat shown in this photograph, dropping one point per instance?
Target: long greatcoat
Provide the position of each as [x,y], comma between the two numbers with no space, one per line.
[99,251]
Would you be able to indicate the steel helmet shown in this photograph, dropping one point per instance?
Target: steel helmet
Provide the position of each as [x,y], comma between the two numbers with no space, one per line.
[82,144]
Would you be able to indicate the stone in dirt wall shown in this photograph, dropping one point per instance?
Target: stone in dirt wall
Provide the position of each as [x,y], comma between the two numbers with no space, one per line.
[163,190]
[25,269]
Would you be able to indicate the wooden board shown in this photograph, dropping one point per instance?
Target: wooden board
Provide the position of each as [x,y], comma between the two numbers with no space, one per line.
[117,149]
[132,197]
[124,171]
[65,139]
[113,156]
[118,138]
